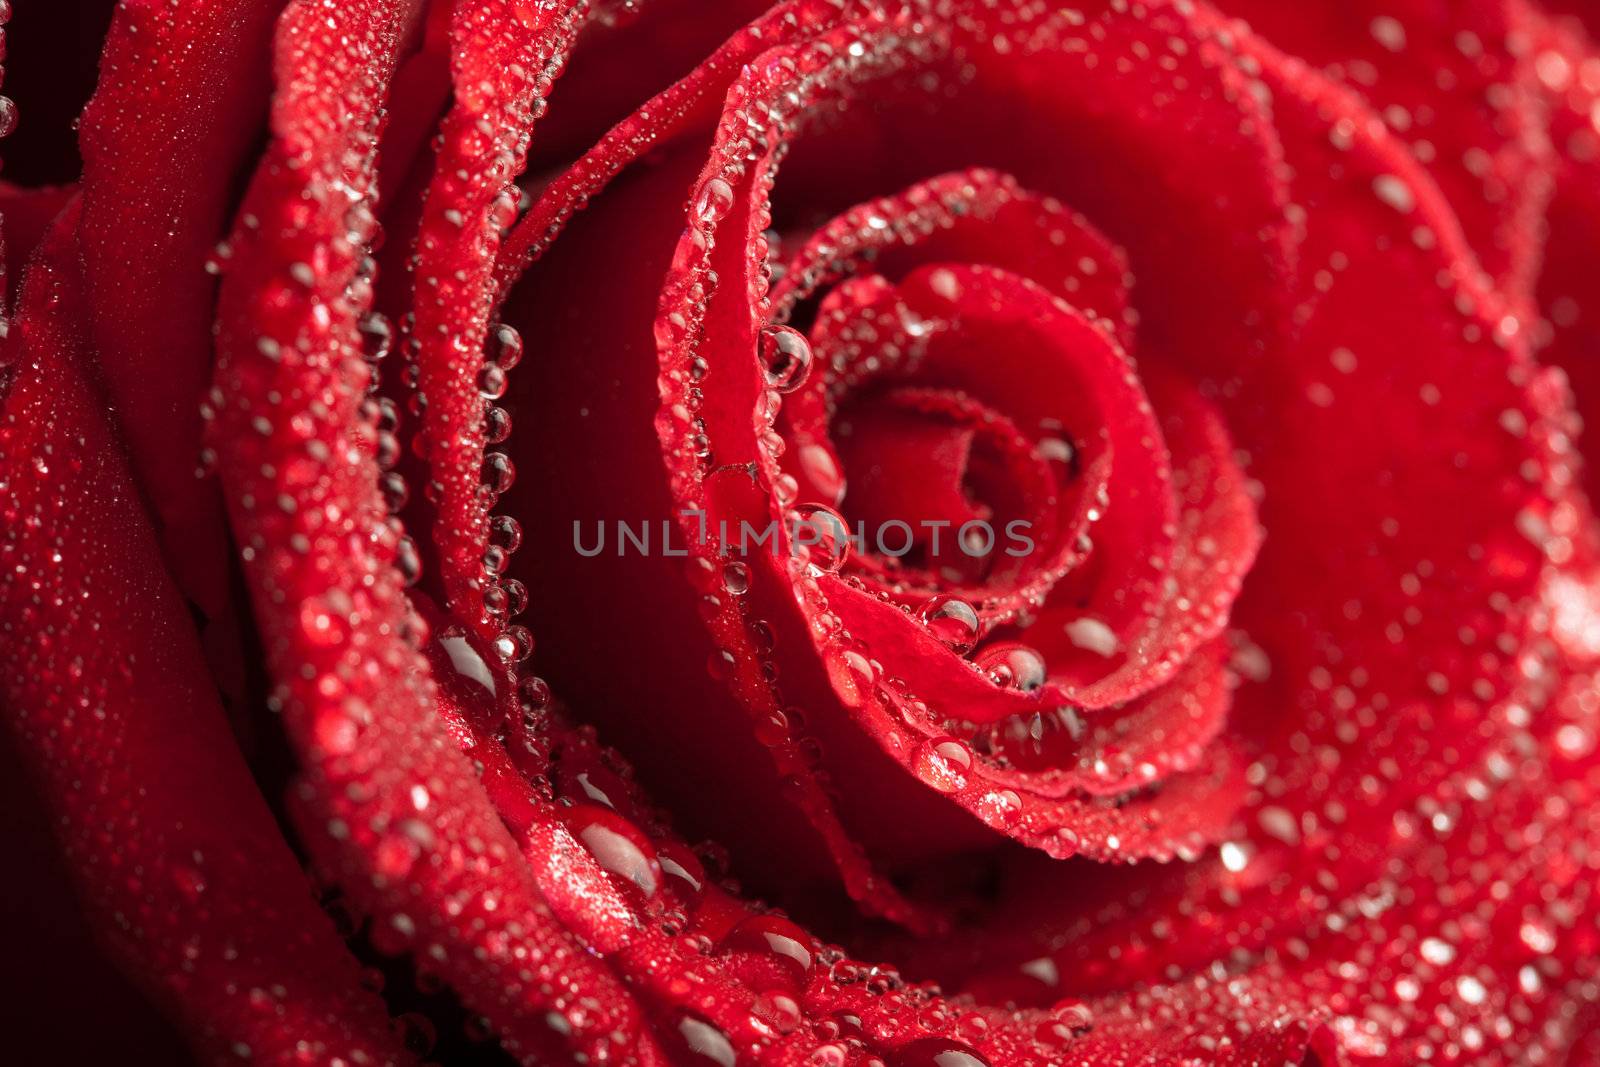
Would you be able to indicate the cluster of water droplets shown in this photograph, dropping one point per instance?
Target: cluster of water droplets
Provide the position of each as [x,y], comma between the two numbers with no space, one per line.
[682,893]
[786,361]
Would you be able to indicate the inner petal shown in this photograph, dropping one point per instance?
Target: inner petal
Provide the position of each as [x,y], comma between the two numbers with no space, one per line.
[944,484]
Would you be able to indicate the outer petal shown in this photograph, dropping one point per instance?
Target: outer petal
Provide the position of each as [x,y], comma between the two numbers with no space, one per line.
[181,97]
[388,803]
[103,682]
[1456,83]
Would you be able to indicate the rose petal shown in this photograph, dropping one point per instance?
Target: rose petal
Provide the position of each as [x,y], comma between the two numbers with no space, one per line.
[503,59]
[172,123]
[356,696]
[108,696]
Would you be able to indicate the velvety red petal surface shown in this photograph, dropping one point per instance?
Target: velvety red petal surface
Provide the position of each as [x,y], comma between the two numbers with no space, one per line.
[204,903]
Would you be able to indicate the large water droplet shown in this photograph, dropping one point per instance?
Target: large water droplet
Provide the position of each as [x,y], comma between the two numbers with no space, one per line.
[1013,667]
[504,346]
[505,532]
[775,937]
[953,621]
[704,1043]
[682,868]
[712,200]
[377,337]
[496,424]
[492,381]
[617,845]
[514,644]
[785,357]
[943,762]
[821,533]
[851,674]
[936,1052]
[498,471]
[468,662]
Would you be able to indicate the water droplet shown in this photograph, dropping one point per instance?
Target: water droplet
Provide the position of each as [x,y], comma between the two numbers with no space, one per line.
[377,337]
[505,532]
[936,1052]
[942,763]
[712,200]
[704,1043]
[492,381]
[1092,635]
[467,661]
[736,577]
[821,532]
[682,869]
[322,623]
[1001,808]
[778,1011]
[515,643]
[504,346]
[953,621]
[776,937]
[830,1055]
[785,357]
[498,471]
[516,596]
[851,674]
[496,424]
[617,845]
[534,693]
[1394,192]
[1013,667]
[1068,1019]
[408,560]
[1056,450]
[721,664]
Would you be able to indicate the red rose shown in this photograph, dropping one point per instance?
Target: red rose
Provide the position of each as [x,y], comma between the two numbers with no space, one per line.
[1141,598]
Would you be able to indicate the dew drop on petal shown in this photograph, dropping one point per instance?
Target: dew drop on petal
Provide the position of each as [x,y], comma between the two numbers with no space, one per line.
[704,1043]
[1013,667]
[467,661]
[821,532]
[505,532]
[851,674]
[496,424]
[936,1052]
[504,347]
[712,200]
[776,937]
[617,845]
[1394,192]
[942,763]
[492,381]
[498,471]
[514,644]
[953,621]
[1092,635]
[785,357]
[1000,808]
[682,869]
[377,337]
[736,577]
